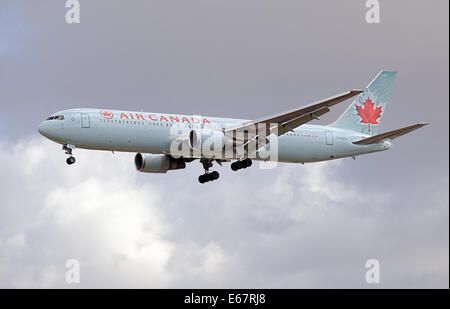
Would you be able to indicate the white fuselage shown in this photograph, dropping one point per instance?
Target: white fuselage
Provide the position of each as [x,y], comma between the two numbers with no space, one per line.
[153,133]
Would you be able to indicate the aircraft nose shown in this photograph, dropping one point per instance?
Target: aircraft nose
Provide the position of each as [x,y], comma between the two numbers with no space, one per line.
[42,128]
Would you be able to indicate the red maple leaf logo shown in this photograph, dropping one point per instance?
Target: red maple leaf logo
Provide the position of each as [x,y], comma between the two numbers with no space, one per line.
[106,114]
[367,113]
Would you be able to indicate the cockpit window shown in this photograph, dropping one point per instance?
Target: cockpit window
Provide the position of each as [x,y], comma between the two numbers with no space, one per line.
[59,117]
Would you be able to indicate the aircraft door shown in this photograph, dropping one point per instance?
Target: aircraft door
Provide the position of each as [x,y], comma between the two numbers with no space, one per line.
[329,137]
[85,123]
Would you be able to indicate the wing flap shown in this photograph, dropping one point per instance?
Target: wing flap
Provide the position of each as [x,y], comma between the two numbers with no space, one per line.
[293,116]
[389,135]
[292,124]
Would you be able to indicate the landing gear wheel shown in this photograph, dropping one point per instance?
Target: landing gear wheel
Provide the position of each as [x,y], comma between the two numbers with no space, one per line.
[233,166]
[208,177]
[237,165]
[214,175]
[70,160]
[246,163]
[241,164]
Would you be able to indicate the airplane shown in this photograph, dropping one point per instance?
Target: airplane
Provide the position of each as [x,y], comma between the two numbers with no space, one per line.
[283,137]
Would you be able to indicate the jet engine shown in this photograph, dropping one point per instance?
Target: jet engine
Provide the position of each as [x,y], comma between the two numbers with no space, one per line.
[208,140]
[150,163]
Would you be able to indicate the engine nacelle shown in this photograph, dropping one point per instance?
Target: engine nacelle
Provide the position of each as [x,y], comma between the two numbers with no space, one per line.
[149,163]
[207,140]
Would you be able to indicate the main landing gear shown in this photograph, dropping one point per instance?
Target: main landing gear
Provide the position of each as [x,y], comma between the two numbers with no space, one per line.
[68,149]
[207,176]
[241,164]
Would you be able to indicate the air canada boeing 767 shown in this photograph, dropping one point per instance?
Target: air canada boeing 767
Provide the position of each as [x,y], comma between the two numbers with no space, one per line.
[167,142]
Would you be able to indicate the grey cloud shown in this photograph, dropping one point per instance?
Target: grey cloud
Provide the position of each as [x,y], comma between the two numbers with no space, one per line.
[304,226]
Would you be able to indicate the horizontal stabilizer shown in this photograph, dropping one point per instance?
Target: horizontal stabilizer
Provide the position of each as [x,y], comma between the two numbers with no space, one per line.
[389,135]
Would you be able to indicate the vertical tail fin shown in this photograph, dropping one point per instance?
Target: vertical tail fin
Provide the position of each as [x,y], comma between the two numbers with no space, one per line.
[365,113]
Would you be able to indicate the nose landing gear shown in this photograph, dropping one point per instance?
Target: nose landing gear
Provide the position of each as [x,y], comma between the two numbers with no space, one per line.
[68,150]
[70,160]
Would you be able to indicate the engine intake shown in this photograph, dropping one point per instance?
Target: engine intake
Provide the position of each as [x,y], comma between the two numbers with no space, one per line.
[149,163]
[207,140]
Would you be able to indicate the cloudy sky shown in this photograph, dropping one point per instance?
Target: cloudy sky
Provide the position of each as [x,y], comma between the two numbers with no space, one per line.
[296,226]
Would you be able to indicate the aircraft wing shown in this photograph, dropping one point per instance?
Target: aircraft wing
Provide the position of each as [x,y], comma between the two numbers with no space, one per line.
[389,135]
[289,120]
